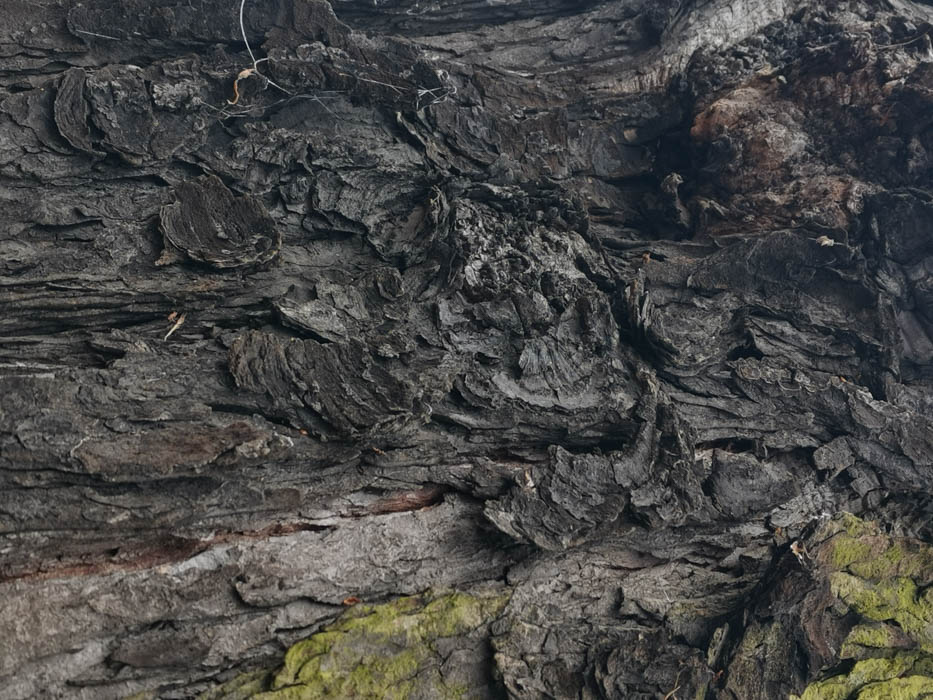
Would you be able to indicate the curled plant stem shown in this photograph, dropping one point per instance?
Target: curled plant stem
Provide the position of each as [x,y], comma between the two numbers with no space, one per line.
[245,73]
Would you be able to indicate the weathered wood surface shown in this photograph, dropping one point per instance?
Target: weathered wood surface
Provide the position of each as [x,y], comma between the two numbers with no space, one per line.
[601,308]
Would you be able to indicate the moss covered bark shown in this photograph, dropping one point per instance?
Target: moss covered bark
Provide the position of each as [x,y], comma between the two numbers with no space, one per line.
[886,584]
[392,650]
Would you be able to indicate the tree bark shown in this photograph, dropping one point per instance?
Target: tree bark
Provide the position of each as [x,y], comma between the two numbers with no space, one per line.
[466,349]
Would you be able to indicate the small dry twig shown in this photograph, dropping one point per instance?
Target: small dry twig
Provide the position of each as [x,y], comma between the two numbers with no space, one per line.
[179,320]
[102,36]
[676,687]
[904,43]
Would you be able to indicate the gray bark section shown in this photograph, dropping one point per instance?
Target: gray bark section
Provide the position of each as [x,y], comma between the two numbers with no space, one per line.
[604,300]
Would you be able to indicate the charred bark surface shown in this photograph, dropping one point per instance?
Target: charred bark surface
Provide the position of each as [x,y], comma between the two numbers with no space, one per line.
[490,348]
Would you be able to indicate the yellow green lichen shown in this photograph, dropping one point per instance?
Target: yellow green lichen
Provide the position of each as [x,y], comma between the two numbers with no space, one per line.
[242,687]
[887,582]
[862,550]
[849,550]
[908,688]
[885,579]
[862,637]
[382,651]
[904,676]
[897,599]
[853,525]
[373,651]
[761,641]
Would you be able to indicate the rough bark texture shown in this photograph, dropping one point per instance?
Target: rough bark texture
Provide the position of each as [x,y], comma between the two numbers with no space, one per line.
[466,349]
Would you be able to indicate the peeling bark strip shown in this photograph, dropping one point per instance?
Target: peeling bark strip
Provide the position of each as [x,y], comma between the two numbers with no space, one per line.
[469,349]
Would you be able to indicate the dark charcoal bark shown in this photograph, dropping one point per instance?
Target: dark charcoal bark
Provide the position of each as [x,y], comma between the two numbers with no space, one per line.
[603,309]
